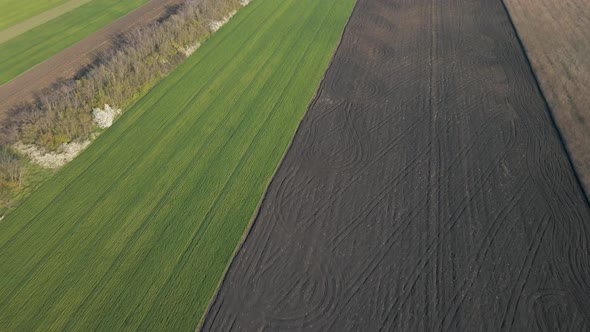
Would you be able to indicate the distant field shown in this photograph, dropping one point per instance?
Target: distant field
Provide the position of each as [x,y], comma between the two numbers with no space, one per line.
[15,11]
[30,23]
[34,46]
[556,35]
[137,231]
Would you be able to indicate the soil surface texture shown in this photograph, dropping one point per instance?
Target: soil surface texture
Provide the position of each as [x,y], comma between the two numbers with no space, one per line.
[556,35]
[426,189]
[70,61]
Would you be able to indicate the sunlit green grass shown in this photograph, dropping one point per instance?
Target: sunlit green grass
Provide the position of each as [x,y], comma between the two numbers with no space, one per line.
[136,232]
[19,54]
[16,11]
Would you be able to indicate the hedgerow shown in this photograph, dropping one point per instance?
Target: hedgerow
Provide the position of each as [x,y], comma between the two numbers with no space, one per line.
[118,76]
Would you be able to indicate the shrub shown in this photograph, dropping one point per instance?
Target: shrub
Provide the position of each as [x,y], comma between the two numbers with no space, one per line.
[118,75]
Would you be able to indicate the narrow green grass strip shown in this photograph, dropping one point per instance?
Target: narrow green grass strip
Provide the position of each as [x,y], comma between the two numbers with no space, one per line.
[136,232]
[19,54]
[16,11]
[37,20]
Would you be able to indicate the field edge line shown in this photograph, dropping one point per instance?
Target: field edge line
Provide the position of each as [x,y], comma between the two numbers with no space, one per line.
[39,19]
[537,85]
[256,213]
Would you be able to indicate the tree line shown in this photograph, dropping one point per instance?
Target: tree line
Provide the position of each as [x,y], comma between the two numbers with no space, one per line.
[118,75]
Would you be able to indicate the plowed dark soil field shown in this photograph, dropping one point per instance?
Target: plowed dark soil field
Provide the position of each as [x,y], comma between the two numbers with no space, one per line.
[556,35]
[426,189]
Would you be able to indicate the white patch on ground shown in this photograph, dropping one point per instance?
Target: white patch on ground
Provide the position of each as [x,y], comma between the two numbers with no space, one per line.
[64,154]
[104,117]
[216,25]
[190,49]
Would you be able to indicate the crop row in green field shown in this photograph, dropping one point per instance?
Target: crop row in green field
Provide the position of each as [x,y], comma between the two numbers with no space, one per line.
[19,54]
[136,232]
[16,11]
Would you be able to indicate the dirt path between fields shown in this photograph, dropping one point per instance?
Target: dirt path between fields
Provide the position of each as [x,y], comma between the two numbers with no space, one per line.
[35,21]
[69,61]
[426,189]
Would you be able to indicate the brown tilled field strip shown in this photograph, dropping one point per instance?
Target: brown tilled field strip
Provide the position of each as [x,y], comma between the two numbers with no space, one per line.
[39,19]
[556,35]
[69,61]
[426,189]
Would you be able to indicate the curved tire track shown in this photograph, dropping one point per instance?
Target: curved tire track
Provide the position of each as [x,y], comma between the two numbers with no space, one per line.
[425,189]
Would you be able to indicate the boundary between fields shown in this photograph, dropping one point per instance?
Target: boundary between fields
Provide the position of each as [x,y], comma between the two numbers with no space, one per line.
[256,213]
[39,19]
[547,107]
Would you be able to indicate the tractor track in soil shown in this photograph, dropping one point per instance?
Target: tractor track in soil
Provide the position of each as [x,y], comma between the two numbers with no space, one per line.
[427,188]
